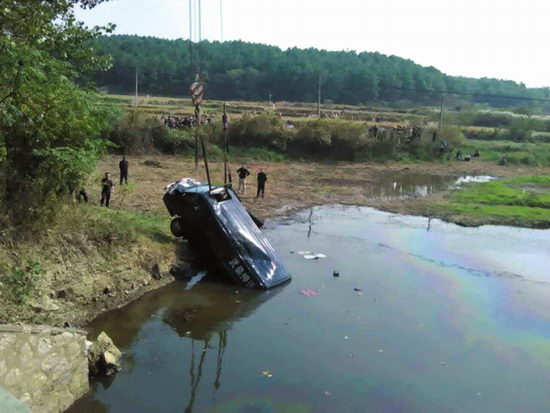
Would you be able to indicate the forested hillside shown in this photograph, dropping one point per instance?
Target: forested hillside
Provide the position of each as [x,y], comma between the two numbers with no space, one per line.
[246,71]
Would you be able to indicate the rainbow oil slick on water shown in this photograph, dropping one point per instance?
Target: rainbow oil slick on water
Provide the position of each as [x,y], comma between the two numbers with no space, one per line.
[424,317]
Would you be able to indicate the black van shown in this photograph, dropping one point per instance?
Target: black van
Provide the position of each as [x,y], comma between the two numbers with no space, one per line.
[219,228]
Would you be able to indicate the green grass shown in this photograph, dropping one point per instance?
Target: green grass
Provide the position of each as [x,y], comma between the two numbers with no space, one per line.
[106,228]
[256,154]
[517,153]
[524,191]
[521,201]
[125,225]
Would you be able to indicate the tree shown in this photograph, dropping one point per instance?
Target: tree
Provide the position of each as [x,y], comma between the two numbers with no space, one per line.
[239,70]
[49,125]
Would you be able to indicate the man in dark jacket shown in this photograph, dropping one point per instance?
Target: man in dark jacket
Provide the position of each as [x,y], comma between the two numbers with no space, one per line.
[107,189]
[123,166]
[243,174]
[262,179]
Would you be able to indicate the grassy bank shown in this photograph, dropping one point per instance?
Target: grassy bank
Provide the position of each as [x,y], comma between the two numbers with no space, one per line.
[89,260]
[521,201]
[527,153]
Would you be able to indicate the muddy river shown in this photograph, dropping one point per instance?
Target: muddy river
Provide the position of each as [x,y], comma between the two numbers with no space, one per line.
[424,316]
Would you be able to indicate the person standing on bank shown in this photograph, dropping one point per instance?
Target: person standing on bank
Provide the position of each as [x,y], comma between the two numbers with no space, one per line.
[107,189]
[262,179]
[243,174]
[123,166]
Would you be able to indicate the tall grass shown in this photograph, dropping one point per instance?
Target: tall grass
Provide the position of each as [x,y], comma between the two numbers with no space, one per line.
[516,153]
[268,137]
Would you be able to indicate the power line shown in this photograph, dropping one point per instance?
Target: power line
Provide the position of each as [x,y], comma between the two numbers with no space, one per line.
[221,21]
[452,92]
[200,21]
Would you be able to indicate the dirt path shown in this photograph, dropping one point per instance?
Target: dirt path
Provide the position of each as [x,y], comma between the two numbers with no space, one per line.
[291,185]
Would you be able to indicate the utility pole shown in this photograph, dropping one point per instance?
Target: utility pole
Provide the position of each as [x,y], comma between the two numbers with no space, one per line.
[441,114]
[319,98]
[136,101]
[225,123]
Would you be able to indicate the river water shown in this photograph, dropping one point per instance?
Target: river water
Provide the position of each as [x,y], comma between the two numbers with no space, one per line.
[424,316]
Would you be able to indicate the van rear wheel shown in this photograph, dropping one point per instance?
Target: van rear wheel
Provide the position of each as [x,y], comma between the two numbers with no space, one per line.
[177,227]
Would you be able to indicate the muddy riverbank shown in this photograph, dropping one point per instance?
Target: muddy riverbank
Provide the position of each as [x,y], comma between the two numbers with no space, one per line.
[293,186]
[93,261]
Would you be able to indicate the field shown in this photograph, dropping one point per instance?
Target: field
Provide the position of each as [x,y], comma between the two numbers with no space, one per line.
[292,111]
[296,185]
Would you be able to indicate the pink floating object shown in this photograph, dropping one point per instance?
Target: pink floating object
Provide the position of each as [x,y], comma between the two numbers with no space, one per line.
[308,292]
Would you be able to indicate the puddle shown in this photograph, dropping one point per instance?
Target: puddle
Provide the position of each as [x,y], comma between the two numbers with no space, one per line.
[413,185]
[420,318]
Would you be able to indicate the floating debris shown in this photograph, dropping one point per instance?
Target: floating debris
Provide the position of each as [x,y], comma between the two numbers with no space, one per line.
[267,373]
[328,394]
[308,255]
[335,273]
[309,292]
[380,350]
[346,337]
[199,276]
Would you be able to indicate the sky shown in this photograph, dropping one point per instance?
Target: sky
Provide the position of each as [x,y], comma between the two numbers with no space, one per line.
[504,39]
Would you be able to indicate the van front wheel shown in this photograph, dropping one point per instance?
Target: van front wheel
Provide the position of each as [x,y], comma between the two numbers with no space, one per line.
[177,227]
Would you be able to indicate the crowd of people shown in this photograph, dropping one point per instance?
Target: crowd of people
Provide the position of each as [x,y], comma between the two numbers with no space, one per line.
[180,122]
[400,134]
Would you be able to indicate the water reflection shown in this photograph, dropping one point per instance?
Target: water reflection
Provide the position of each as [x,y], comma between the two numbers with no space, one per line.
[202,316]
[207,323]
[412,185]
[450,319]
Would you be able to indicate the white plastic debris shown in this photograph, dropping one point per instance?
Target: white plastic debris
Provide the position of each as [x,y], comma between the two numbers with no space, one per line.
[196,278]
[313,256]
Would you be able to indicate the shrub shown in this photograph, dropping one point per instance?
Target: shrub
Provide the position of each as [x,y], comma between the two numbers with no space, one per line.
[264,130]
[452,135]
[313,137]
[486,134]
[176,141]
[20,282]
[137,132]
[521,129]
